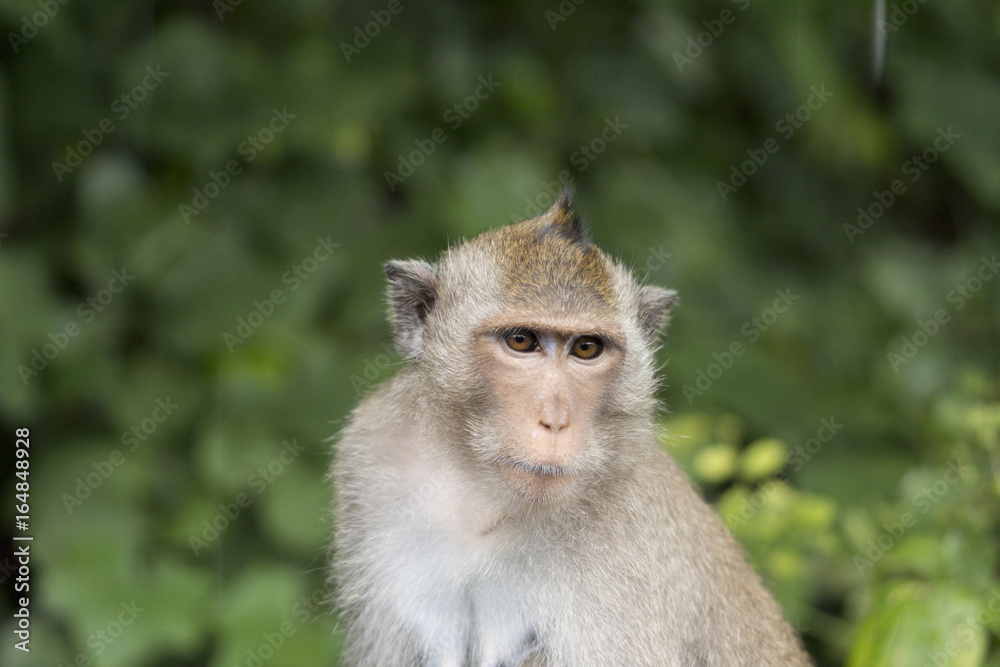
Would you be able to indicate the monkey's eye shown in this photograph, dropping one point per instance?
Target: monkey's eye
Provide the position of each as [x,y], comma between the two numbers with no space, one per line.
[521,341]
[587,347]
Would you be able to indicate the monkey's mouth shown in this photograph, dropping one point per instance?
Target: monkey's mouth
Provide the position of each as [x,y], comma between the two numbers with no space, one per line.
[544,470]
[537,482]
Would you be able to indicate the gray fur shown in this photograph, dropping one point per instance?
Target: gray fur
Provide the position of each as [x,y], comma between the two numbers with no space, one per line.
[412,289]
[437,562]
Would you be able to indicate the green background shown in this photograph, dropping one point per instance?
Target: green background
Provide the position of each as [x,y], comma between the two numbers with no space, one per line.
[877,529]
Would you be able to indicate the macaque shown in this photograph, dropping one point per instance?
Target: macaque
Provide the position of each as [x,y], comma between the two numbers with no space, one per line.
[503,500]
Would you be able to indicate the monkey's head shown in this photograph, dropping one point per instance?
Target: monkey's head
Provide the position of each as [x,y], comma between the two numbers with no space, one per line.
[533,349]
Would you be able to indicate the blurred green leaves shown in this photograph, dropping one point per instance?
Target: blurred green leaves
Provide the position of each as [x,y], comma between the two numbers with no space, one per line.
[806,506]
[917,623]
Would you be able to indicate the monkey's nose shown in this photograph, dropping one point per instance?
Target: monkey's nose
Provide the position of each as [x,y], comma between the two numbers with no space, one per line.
[554,418]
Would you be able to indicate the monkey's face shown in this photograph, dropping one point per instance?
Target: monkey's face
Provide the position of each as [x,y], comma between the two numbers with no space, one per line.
[548,380]
[534,352]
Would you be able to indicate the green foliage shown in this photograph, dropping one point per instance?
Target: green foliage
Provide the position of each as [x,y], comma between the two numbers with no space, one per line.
[194,210]
[917,572]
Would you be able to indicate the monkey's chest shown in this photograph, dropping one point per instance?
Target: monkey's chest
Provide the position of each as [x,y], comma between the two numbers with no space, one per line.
[466,602]
[455,585]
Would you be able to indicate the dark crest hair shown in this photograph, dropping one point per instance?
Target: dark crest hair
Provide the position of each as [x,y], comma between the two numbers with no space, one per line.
[566,222]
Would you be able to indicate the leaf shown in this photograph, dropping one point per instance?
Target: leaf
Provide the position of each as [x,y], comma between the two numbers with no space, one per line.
[762,459]
[917,624]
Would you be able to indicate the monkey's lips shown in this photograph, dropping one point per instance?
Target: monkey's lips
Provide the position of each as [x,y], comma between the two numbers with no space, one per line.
[538,482]
[538,469]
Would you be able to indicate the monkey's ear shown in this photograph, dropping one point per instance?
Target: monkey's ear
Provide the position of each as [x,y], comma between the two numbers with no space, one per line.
[413,288]
[654,306]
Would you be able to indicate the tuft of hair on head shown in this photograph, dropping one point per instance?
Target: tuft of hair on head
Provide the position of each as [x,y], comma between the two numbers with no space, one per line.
[563,218]
[549,262]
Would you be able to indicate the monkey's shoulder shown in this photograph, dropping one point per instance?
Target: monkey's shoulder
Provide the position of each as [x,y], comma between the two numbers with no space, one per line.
[405,474]
[382,422]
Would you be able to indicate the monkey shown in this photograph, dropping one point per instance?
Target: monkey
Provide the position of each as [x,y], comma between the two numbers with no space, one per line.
[503,500]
